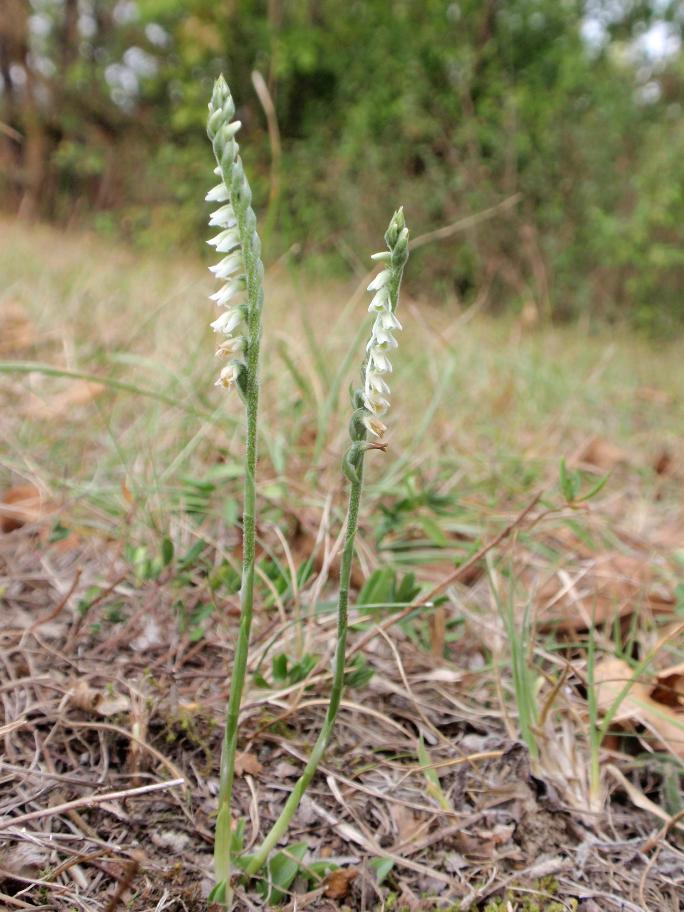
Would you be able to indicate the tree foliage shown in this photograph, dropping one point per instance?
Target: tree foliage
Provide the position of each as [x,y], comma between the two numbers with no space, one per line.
[571,107]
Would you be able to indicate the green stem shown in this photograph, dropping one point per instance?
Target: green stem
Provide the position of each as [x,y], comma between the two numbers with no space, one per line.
[222,844]
[279,828]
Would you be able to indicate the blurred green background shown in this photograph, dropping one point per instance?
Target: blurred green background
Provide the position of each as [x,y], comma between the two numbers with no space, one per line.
[565,116]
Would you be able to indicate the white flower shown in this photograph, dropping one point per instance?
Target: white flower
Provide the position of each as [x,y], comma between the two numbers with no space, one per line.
[233,345]
[219,193]
[227,293]
[374,425]
[224,241]
[229,375]
[384,256]
[381,339]
[226,267]
[380,361]
[375,382]
[376,403]
[227,322]
[381,279]
[380,301]
[388,321]
[223,217]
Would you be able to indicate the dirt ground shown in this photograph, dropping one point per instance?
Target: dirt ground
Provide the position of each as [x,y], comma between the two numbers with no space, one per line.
[109,770]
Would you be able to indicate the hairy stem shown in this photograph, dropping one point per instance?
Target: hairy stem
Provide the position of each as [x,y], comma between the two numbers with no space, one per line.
[280,826]
[222,847]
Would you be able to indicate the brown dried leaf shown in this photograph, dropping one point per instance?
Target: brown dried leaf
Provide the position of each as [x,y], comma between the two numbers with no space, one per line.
[23,505]
[664,463]
[17,332]
[85,697]
[406,822]
[638,705]
[338,883]
[79,392]
[669,688]
[655,395]
[608,586]
[474,847]
[599,453]
[247,763]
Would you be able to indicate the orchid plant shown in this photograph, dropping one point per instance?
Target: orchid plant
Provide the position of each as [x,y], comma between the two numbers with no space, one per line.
[239,325]
[241,299]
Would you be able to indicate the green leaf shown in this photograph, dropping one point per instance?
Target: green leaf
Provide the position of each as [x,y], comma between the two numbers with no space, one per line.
[600,484]
[58,532]
[225,576]
[237,840]
[408,590]
[189,559]
[434,787]
[195,634]
[382,867]
[569,482]
[89,597]
[434,532]
[378,590]
[282,870]
[166,551]
[361,673]
[279,667]
[218,893]
[302,669]
[222,838]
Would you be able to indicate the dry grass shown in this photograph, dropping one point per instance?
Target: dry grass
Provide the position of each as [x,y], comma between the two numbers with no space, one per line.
[115,650]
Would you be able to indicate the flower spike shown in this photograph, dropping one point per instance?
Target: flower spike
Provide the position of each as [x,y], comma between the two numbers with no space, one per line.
[383,305]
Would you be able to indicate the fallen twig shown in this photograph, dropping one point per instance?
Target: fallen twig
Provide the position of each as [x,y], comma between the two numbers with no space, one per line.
[90,801]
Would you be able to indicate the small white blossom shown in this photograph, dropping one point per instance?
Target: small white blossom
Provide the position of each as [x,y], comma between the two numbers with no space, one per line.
[223,217]
[381,279]
[375,426]
[233,345]
[382,339]
[379,301]
[380,361]
[224,242]
[218,194]
[227,322]
[376,403]
[226,267]
[375,382]
[229,375]
[388,320]
[227,293]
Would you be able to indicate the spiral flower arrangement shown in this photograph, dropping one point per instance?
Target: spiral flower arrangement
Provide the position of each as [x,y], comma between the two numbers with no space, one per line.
[240,298]
[386,284]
